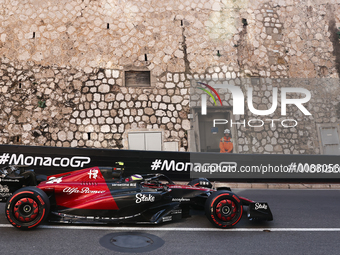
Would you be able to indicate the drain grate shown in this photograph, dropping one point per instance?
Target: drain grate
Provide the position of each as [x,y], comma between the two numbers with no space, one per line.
[131,242]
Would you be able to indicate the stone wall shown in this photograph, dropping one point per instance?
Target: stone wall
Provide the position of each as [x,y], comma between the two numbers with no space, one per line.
[71,107]
[63,62]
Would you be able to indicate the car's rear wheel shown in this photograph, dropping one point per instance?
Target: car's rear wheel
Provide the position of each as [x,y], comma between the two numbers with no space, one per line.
[27,208]
[223,209]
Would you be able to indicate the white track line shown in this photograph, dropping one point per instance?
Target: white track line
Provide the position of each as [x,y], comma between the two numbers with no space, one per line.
[185,229]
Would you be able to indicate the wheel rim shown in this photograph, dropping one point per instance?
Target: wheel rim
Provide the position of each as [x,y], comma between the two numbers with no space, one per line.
[26,209]
[226,210]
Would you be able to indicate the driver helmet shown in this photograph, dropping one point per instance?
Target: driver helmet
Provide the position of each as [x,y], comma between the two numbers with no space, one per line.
[135,177]
[227,131]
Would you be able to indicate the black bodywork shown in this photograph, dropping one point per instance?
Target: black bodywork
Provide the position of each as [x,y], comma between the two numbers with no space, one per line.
[109,198]
[15,177]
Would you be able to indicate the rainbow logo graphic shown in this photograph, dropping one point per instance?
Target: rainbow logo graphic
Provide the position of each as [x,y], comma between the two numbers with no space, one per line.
[204,97]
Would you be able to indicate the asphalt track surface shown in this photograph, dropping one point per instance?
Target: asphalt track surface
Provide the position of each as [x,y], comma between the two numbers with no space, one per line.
[305,222]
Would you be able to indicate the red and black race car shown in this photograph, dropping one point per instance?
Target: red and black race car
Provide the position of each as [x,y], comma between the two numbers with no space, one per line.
[102,195]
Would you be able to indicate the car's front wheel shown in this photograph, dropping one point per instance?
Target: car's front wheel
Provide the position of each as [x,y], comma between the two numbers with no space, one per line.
[223,209]
[27,208]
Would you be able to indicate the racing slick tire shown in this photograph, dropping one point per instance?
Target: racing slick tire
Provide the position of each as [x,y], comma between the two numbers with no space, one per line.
[27,208]
[223,209]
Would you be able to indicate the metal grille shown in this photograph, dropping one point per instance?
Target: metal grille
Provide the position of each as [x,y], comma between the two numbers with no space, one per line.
[150,141]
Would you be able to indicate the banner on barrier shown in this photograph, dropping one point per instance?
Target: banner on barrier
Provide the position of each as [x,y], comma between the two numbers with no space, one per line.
[176,165]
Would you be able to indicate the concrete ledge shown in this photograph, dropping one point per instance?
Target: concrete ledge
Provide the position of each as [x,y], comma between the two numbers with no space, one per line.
[278,186]
[259,186]
[299,186]
[241,185]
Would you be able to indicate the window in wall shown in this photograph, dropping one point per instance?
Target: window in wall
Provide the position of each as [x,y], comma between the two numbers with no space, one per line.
[137,78]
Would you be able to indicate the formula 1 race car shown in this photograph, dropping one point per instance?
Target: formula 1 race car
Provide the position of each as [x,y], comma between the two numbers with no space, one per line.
[102,195]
